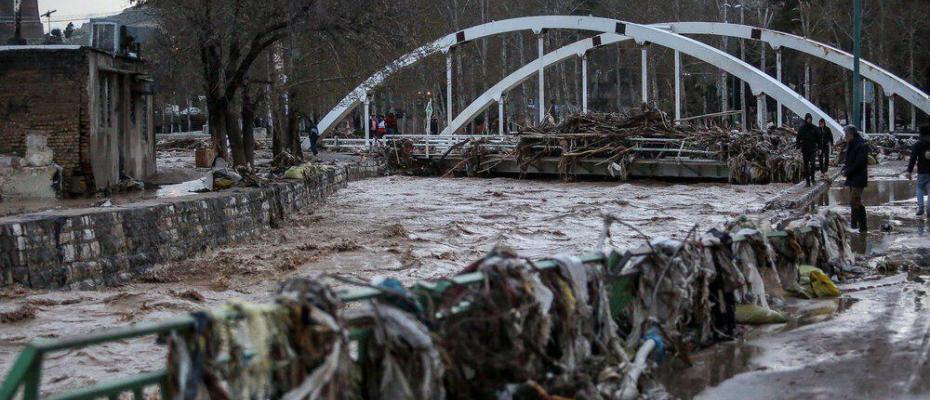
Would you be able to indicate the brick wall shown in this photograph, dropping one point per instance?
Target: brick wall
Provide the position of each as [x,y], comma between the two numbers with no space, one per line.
[88,248]
[45,91]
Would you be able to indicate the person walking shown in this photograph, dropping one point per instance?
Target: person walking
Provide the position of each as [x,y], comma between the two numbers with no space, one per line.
[856,171]
[920,157]
[382,128]
[390,124]
[826,144]
[809,143]
[314,137]
[434,126]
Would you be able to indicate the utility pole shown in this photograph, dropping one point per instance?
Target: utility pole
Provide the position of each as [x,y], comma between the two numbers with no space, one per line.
[857,52]
[48,18]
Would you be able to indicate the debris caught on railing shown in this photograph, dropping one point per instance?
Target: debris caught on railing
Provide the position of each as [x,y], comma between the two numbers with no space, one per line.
[401,359]
[570,329]
[296,348]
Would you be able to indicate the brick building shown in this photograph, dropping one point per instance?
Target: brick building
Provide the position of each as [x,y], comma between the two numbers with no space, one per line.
[31,27]
[94,107]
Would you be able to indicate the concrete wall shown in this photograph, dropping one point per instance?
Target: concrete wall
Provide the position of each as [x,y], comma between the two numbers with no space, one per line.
[88,248]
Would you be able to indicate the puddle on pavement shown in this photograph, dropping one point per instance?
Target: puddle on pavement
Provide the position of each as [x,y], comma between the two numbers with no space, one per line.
[878,193]
[715,364]
[898,197]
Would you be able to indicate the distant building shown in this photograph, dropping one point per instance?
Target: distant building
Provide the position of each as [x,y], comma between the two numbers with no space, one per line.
[94,106]
[31,27]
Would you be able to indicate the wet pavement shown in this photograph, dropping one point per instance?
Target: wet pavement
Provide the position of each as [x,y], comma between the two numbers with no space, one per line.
[403,227]
[877,349]
[872,343]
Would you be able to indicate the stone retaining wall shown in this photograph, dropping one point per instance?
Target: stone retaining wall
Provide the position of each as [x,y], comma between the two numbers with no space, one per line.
[93,247]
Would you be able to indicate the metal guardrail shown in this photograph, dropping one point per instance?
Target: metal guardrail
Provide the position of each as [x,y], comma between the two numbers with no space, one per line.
[26,371]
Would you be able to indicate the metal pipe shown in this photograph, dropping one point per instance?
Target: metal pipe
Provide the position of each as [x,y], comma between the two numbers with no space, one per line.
[645,75]
[584,83]
[677,87]
[778,113]
[542,77]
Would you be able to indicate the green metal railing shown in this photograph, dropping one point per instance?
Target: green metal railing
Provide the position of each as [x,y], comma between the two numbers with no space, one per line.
[26,372]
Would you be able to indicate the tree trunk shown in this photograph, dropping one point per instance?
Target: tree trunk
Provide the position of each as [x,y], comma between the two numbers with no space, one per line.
[248,118]
[234,131]
[293,126]
[216,113]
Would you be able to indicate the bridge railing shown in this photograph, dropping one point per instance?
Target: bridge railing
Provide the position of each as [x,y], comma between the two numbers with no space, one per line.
[437,145]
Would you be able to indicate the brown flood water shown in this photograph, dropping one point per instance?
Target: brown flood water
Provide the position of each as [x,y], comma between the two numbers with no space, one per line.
[408,228]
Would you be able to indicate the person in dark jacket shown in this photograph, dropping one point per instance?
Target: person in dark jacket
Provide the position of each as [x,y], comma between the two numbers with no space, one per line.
[314,137]
[826,144]
[920,157]
[809,143]
[856,171]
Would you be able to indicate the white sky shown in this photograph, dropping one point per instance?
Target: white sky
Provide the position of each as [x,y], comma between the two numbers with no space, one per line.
[79,11]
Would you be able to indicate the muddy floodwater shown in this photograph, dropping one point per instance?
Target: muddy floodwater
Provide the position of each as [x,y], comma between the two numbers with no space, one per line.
[409,228]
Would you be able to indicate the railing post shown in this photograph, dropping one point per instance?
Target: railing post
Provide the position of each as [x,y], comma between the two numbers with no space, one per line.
[778,113]
[891,114]
[862,108]
[500,115]
[449,89]
[33,379]
[677,87]
[645,75]
[760,114]
[542,76]
[584,83]
[367,112]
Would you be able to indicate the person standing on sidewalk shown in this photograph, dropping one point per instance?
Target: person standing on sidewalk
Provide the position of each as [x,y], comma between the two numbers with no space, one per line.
[920,156]
[856,171]
[826,144]
[809,143]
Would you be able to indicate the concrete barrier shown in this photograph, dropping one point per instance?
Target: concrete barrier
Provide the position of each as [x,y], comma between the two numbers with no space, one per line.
[93,247]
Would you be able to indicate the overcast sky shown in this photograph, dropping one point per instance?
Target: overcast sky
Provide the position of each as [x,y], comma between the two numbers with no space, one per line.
[78,11]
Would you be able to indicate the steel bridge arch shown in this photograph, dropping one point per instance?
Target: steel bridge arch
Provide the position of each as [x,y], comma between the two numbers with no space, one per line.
[759,82]
[891,83]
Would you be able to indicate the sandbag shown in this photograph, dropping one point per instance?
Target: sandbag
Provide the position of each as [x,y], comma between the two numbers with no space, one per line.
[751,314]
[817,282]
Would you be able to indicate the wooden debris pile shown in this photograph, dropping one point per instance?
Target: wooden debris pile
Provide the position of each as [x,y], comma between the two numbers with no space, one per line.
[892,147]
[610,139]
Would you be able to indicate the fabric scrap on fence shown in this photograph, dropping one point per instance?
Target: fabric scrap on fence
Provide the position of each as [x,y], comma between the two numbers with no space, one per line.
[754,256]
[400,359]
[294,349]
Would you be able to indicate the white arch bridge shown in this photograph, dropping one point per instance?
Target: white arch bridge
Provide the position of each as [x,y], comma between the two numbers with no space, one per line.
[608,31]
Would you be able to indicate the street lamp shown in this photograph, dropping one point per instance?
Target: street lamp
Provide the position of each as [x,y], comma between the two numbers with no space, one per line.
[857,52]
